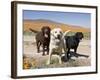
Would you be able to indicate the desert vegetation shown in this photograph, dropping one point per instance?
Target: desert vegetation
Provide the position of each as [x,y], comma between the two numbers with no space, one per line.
[32,59]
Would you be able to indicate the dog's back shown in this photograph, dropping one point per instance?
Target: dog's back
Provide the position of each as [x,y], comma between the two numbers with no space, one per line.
[39,37]
[71,42]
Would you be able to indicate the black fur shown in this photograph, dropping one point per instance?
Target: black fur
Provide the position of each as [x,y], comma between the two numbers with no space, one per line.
[72,42]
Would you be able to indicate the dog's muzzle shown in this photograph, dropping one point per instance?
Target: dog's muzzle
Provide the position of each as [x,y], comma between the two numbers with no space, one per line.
[46,36]
[58,37]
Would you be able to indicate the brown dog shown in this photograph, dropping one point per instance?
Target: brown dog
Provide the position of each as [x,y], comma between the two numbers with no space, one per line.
[43,38]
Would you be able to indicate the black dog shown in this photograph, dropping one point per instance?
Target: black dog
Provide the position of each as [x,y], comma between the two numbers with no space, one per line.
[43,38]
[72,42]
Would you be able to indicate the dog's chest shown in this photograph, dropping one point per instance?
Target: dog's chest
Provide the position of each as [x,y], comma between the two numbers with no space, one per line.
[57,47]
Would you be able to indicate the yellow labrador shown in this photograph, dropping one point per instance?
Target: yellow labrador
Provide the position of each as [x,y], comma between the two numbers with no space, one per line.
[57,44]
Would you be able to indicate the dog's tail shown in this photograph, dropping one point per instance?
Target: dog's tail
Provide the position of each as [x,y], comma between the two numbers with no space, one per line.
[65,33]
[33,30]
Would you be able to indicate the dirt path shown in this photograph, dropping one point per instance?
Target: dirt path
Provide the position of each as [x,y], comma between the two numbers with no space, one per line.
[30,51]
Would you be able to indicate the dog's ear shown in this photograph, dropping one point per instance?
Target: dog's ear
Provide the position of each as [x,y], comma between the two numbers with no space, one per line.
[42,29]
[49,28]
[79,35]
[52,32]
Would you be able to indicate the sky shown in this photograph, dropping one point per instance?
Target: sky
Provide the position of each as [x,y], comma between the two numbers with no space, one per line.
[72,18]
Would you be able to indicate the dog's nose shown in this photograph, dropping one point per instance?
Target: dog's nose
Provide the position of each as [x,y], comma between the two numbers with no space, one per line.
[58,36]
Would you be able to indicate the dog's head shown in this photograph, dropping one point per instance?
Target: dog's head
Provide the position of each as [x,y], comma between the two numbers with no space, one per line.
[79,35]
[46,31]
[57,33]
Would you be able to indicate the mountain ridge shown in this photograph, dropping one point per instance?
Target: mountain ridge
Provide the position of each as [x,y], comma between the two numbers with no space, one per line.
[37,24]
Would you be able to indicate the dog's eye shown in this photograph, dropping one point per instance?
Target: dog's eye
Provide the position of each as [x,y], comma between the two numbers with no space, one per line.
[55,31]
[60,32]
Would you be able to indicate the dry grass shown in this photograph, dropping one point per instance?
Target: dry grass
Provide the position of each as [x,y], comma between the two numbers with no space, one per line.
[41,63]
[33,60]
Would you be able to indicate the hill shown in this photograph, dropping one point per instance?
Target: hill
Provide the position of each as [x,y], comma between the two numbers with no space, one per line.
[39,23]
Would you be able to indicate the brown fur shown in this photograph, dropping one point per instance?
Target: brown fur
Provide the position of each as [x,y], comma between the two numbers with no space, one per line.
[43,38]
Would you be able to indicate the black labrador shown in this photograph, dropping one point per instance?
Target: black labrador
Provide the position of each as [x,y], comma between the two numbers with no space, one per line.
[43,38]
[72,42]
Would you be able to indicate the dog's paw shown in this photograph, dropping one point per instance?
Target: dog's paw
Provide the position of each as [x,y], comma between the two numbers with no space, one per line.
[87,56]
[48,63]
[60,62]
[43,54]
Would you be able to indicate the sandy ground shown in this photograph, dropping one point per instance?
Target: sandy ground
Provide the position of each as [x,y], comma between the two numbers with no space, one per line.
[38,61]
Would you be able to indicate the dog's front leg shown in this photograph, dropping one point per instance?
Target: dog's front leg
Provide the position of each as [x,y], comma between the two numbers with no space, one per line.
[43,50]
[65,50]
[59,57]
[49,58]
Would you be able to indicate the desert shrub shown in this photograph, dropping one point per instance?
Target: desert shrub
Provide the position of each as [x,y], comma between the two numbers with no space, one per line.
[26,63]
[29,62]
